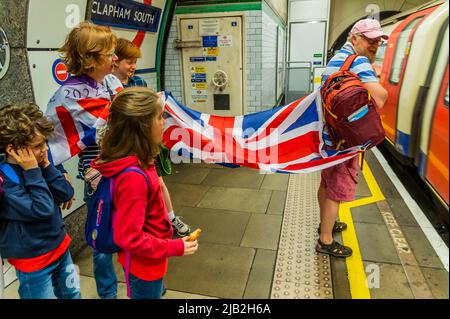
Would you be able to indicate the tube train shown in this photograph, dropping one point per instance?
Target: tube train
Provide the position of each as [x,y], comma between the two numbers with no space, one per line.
[413,67]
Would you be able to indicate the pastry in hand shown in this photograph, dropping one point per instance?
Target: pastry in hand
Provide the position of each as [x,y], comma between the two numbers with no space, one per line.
[194,235]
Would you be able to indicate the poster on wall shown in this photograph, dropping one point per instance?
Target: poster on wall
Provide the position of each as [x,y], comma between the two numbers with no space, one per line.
[138,21]
[281,53]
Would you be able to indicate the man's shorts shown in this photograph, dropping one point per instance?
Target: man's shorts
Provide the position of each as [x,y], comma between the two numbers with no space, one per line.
[340,180]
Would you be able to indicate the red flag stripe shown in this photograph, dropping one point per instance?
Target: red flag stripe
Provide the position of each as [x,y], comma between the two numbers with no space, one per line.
[69,128]
[276,122]
[95,106]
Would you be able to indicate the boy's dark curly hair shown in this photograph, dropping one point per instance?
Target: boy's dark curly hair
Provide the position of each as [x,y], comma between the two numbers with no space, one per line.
[19,124]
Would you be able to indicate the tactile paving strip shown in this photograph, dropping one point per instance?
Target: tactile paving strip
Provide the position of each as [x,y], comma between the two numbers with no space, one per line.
[301,273]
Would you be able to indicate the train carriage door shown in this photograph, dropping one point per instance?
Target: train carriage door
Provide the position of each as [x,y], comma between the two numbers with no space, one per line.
[397,52]
[436,171]
[381,57]
[212,64]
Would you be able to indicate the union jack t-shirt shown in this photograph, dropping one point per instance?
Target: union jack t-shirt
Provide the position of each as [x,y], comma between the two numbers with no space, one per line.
[77,108]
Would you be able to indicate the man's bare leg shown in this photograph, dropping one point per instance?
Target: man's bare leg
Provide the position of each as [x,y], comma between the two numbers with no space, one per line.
[329,210]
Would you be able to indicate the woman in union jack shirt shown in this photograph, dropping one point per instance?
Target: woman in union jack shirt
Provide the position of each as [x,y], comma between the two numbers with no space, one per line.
[78,109]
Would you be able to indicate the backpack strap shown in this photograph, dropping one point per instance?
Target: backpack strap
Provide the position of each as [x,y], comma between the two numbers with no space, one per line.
[127,253]
[348,62]
[140,171]
[9,172]
[129,169]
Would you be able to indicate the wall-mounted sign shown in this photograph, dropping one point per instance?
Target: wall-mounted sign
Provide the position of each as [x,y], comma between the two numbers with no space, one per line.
[5,53]
[198,80]
[197,59]
[199,96]
[211,52]
[199,69]
[199,76]
[126,14]
[225,41]
[199,86]
[203,59]
[59,72]
[209,41]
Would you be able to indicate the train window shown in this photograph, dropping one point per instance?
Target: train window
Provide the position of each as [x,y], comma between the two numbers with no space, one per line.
[381,53]
[379,59]
[400,52]
[446,97]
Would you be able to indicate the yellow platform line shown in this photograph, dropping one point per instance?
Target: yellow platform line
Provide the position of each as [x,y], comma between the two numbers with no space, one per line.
[355,267]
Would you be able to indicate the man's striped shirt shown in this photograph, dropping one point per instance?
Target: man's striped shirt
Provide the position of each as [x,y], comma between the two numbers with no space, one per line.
[361,66]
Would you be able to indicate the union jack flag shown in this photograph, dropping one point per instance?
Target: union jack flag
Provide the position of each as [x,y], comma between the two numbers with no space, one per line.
[76,109]
[288,139]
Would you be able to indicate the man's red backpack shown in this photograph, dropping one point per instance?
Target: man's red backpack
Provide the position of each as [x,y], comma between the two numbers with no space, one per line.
[351,115]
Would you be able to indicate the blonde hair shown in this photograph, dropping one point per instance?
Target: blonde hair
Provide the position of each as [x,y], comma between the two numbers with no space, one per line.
[126,49]
[19,124]
[84,47]
[130,125]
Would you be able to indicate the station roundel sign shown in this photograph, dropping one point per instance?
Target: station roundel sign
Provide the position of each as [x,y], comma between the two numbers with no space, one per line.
[5,53]
[59,72]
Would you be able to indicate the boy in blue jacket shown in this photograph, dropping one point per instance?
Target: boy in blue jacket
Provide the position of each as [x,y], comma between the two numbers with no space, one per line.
[33,236]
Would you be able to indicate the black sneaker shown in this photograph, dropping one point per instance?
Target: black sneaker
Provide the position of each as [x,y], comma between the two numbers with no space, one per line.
[334,249]
[337,227]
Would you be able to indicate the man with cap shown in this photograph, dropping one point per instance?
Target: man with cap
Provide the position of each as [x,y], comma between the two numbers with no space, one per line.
[338,183]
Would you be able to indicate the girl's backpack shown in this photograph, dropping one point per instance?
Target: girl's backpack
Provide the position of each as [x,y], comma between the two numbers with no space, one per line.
[101,213]
[100,219]
[350,113]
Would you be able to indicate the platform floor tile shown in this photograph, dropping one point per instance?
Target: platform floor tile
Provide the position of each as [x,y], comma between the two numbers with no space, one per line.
[215,270]
[438,281]
[236,199]
[376,244]
[276,182]
[236,178]
[187,175]
[218,226]
[387,281]
[263,231]
[261,274]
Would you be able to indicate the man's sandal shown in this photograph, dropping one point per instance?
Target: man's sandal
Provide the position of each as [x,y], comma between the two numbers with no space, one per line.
[334,249]
[338,227]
